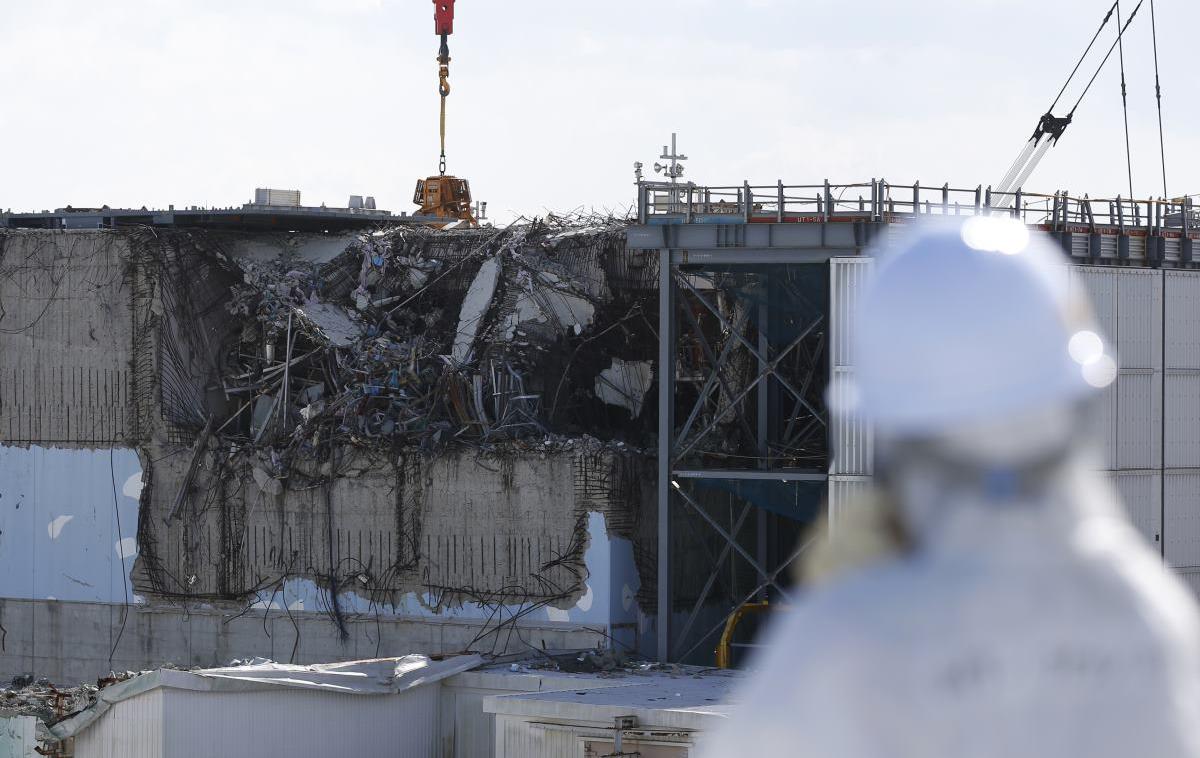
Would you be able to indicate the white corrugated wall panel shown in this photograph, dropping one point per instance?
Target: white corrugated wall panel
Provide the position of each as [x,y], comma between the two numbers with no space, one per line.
[517,738]
[1181,509]
[852,439]
[1141,493]
[845,493]
[132,728]
[1099,283]
[1104,426]
[472,730]
[1191,577]
[1181,417]
[1139,420]
[1182,327]
[1139,318]
[285,722]
[847,278]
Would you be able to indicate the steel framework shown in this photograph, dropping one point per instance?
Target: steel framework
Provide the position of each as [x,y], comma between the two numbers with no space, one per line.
[743,323]
[742,434]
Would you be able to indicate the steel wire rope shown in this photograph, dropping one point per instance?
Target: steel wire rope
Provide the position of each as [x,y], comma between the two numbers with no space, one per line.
[1087,50]
[1113,46]
[1125,103]
[1158,96]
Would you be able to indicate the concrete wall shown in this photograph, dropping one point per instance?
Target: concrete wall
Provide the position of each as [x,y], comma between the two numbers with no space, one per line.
[65,336]
[72,642]
[459,528]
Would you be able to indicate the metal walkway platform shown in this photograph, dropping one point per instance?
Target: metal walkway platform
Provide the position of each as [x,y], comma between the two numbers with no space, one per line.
[812,222]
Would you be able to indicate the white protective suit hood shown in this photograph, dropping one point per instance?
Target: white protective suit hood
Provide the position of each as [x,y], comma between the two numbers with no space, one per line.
[1042,626]
[1028,618]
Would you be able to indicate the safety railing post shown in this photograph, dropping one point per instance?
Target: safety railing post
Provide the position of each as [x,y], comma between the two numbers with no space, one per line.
[1017,206]
[946,198]
[779,204]
[987,200]
[749,199]
[828,201]
[1185,239]
[978,195]
[690,209]
[916,198]
[874,199]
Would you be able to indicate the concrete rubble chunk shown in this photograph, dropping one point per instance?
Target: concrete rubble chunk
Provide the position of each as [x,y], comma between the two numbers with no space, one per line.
[475,305]
[625,383]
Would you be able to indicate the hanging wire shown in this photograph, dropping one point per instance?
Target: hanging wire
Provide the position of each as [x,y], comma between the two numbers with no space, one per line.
[1112,47]
[1079,63]
[1158,96]
[1124,100]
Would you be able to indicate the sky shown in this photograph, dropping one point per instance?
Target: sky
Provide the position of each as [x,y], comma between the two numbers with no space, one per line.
[197,102]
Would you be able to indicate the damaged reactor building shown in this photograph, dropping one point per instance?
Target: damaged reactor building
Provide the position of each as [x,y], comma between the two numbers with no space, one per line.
[325,445]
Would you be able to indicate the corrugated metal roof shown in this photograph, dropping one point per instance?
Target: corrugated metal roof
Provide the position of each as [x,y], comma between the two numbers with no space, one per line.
[381,676]
[659,700]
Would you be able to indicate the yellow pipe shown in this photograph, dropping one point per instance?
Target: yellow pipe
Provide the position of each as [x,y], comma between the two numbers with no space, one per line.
[724,649]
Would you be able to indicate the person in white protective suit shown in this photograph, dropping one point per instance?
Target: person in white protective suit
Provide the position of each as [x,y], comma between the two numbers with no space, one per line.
[1025,615]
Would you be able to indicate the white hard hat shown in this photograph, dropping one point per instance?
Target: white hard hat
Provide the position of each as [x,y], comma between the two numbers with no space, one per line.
[971,322]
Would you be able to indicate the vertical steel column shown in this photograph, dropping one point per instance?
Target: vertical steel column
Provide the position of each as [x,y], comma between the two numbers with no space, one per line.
[666,430]
[763,418]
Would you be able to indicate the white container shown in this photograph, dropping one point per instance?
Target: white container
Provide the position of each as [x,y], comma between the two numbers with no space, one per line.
[287,198]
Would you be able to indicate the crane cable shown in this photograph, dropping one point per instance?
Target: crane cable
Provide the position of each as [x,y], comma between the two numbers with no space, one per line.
[1087,50]
[1125,105]
[1158,96]
[1107,55]
[1022,160]
[443,90]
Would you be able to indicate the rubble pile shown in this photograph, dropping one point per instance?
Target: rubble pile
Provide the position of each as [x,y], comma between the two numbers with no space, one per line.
[418,338]
[25,696]
[286,400]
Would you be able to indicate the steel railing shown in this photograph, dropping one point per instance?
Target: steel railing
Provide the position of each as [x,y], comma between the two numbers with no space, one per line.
[880,200]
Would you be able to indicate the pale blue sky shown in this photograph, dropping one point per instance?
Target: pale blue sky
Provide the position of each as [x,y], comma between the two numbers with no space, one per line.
[132,102]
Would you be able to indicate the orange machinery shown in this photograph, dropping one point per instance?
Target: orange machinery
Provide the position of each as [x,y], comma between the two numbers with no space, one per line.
[441,196]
